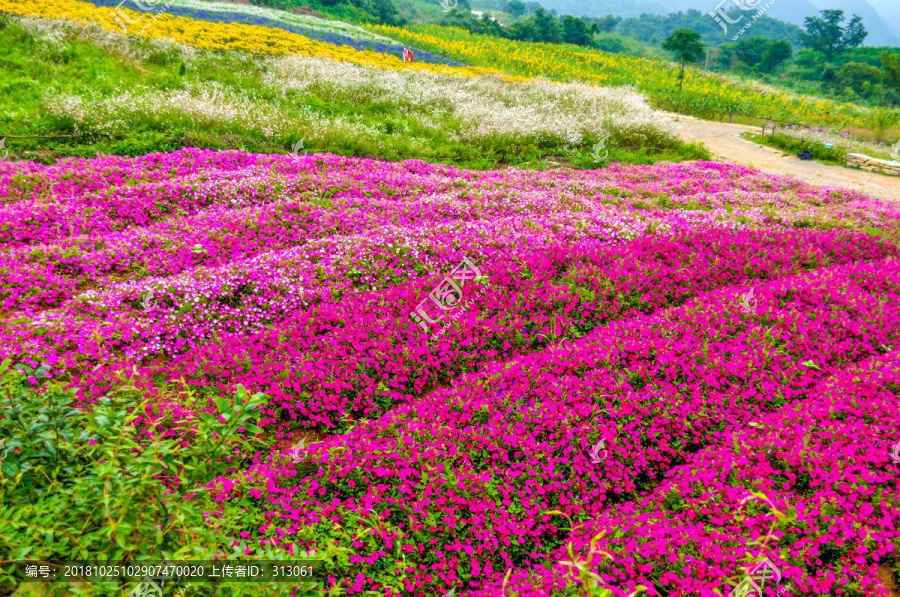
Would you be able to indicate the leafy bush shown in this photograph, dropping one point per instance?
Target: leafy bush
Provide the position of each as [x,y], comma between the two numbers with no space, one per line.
[103,484]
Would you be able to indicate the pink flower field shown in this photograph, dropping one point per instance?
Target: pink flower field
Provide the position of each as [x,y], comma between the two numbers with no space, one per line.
[678,379]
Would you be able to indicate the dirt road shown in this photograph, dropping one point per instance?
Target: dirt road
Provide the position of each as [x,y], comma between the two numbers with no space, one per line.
[726,145]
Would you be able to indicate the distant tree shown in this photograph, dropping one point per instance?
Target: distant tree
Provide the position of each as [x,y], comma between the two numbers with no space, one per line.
[826,34]
[546,27]
[861,78]
[891,64]
[522,30]
[778,51]
[384,11]
[607,23]
[532,7]
[685,43]
[575,31]
[466,20]
[759,53]
[541,26]
[750,50]
[613,44]
[516,8]
[491,26]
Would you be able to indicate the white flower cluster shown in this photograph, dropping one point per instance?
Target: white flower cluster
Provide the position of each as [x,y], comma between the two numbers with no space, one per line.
[207,104]
[483,106]
[53,33]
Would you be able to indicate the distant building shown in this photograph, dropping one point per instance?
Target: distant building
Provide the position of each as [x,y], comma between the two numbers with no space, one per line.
[479,14]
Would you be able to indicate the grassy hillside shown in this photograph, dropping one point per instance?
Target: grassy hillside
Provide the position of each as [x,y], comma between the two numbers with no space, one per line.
[75,90]
[705,95]
[772,56]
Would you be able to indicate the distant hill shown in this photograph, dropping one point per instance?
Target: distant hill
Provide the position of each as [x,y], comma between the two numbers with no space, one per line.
[653,29]
[890,10]
[881,33]
[884,26]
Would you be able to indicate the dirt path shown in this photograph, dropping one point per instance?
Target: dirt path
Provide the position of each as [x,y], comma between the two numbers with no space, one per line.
[726,145]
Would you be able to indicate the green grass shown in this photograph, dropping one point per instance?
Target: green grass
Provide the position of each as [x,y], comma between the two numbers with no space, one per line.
[835,156]
[97,66]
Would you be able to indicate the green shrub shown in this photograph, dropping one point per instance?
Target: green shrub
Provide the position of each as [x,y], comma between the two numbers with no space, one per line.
[82,482]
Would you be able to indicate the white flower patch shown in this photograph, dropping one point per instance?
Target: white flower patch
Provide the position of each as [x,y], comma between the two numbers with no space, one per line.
[483,106]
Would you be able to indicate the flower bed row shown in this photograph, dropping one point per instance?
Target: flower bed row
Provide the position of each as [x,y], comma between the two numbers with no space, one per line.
[188,216]
[245,296]
[462,481]
[812,487]
[76,178]
[91,238]
[108,194]
[248,38]
[340,358]
[233,14]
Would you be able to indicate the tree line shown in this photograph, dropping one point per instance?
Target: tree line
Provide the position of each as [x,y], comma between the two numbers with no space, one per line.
[831,56]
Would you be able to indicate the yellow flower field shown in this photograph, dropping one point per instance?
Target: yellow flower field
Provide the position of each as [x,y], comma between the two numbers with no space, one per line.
[705,95]
[256,39]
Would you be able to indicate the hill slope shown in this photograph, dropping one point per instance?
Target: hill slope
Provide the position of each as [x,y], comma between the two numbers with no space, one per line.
[881,32]
[104,92]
